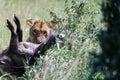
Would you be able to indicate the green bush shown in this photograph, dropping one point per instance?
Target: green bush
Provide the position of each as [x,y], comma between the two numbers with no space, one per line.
[107,61]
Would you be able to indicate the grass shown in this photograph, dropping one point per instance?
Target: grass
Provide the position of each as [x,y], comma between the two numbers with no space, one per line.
[73,61]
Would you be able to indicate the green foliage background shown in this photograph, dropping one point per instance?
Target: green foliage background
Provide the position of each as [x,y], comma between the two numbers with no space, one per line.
[79,20]
[107,61]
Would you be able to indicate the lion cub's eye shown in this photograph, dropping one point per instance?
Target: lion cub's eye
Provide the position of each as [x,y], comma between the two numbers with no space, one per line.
[34,31]
[45,33]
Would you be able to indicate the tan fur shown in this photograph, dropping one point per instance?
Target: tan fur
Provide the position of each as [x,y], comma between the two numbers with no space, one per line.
[40,30]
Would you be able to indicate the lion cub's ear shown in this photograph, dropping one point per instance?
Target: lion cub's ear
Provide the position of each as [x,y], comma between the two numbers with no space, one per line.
[30,21]
[53,24]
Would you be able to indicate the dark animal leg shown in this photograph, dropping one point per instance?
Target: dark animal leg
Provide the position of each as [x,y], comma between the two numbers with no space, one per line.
[14,39]
[45,46]
[42,48]
[19,30]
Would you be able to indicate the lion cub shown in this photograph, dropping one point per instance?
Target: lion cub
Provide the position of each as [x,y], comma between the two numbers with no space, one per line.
[40,30]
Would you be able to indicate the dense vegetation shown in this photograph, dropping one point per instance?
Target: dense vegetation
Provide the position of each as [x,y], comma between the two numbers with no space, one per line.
[107,61]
